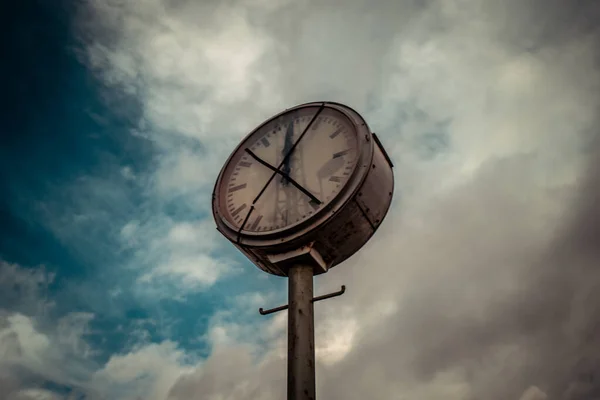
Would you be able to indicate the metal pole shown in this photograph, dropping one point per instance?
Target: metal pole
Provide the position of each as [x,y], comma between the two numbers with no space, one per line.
[301,334]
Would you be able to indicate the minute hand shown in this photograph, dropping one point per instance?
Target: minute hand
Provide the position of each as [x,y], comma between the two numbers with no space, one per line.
[289,135]
[286,176]
[289,152]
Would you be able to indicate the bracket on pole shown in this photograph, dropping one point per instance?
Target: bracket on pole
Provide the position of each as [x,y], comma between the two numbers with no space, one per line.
[318,298]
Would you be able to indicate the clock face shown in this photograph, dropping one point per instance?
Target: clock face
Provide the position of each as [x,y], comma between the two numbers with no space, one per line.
[320,159]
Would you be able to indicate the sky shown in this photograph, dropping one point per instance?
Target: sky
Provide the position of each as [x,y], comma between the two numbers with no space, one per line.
[481,283]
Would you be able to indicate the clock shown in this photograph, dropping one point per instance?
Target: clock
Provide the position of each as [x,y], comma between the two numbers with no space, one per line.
[295,186]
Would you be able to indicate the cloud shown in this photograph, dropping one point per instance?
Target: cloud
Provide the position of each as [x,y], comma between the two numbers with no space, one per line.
[36,344]
[245,378]
[42,347]
[59,354]
[34,356]
[35,394]
[482,282]
[147,372]
[25,290]
[9,383]
[533,393]
[181,253]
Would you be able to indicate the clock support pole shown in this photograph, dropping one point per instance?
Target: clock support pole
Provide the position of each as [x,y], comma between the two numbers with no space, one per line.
[301,330]
[301,334]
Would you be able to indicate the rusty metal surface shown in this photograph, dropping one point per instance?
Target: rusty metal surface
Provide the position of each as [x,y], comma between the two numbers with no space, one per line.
[344,236]
[343,227]
[306,254]
[262,311]
[301,334]
[330,295]
[385,154]
[375,194]
[278,238]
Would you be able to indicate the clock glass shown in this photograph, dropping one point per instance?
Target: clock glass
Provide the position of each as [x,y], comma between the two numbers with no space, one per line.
[288,170]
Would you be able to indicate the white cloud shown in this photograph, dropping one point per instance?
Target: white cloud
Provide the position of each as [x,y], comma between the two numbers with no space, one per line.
[533,393]
[39,348]
[147,372]
[59,355]
[193,235]
[127,173]
[247,356]
[70,331]
[450,299]
[191,272]
[231,373]
[35,394]
[35,345]
[22,343]
[184,253]
[128,234]
[335,337]
[189,173]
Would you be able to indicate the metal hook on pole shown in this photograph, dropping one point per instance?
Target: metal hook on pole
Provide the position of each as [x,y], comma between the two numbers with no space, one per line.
[318,298]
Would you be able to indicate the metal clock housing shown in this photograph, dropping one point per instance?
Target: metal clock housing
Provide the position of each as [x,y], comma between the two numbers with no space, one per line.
[312,182]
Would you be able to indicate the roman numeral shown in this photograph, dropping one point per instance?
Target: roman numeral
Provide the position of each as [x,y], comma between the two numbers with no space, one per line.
[336,132]
[235,212]
[244,164]
[236,188]
[335,178]
[265,142]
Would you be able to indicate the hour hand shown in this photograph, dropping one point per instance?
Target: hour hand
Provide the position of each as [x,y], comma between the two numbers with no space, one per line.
[287,145]
[284,176]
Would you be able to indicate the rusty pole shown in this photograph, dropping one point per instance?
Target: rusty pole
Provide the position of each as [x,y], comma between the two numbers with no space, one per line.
[301,334]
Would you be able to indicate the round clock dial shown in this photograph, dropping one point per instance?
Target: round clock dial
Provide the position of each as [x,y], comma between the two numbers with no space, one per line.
[288,170]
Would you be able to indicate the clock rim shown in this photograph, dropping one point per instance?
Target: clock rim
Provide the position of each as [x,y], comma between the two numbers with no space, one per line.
[339,200]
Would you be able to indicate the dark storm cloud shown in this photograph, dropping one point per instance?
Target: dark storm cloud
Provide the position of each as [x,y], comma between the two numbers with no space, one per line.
[488,269]
[569,308]
[544,332]
[537,23]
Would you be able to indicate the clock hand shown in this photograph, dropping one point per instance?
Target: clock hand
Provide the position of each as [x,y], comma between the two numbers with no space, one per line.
[284,175]
[290,152]
[289,135]
[244,223]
